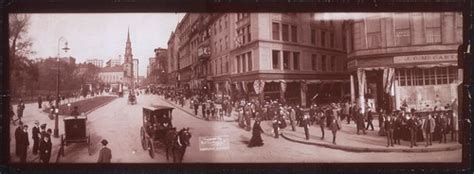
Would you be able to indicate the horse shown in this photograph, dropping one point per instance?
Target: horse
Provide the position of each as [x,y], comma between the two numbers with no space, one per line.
[177,142]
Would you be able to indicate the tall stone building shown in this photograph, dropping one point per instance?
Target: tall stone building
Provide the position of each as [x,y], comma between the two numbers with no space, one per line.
[407,59]
[288,56]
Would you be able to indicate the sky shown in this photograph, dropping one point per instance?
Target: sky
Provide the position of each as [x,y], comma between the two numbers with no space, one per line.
[101,36]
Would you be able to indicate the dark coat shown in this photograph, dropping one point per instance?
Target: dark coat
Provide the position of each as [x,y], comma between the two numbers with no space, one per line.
[256,139]
[389,125]
[23,142]
[105,155]
[35,133]
[18,132]
[45,151]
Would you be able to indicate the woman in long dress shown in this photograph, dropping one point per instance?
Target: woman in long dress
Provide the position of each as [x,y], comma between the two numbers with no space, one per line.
[256,139]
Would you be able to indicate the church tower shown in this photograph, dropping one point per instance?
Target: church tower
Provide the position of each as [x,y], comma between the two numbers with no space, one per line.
[128,62]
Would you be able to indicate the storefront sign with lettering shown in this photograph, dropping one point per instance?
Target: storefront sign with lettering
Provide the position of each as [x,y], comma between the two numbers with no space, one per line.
[425,58]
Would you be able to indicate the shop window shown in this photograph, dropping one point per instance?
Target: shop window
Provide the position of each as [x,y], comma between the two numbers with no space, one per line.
[402,29]
[275,31]
[401,77]
[296,60]
[441,76]
[433,27]
[314,62]
[409,77]
[249,57]
[285,32]
[323,62]
[313,36]
[452,74]
[294,34]
[374,33]
[276,59]
[286,60]
[418,77]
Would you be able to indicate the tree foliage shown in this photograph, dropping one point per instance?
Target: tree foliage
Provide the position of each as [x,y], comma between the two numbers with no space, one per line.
[23,72]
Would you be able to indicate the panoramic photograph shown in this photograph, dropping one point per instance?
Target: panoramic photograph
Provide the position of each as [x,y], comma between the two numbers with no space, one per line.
[235,87]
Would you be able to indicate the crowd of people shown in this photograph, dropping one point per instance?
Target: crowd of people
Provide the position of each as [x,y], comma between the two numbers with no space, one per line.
[40,134]
[412,126]
[41,141]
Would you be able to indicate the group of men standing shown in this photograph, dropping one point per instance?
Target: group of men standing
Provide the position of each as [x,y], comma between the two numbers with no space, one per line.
[41,142]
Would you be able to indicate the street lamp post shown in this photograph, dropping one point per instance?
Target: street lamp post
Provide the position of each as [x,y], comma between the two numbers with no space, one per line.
[56,130]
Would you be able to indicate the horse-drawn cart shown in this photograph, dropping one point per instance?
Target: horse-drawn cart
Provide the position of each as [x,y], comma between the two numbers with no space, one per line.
[75,131]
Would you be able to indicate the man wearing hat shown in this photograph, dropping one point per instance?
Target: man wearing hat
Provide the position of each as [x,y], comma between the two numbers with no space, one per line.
[18,131]
[105,154]
[35,131]
[23,143]
[43,130]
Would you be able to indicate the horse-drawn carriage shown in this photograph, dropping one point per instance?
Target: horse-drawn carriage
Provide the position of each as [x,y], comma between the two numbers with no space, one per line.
[158,130]
[132,99]
[75,131]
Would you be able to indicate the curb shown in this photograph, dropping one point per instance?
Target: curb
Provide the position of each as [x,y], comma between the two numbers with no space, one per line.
[192,114]
[364,150]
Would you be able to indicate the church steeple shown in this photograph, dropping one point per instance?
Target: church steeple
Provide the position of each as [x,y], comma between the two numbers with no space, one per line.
[128,48]
[128,35]
[128,63]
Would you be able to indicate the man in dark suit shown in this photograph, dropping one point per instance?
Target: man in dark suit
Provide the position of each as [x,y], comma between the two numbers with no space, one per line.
[18,131]
[23,143]
[105,154]
[413,126]
[389,127]
[36,137]
[370,117]
[45,149]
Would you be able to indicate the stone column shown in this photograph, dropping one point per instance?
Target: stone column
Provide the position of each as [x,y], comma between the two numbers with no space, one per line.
[352,88]
[303,90]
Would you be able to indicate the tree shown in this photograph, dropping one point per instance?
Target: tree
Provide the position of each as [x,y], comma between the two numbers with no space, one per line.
[22,69]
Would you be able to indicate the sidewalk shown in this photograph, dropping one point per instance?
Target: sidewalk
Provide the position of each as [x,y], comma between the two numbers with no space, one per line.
[187,109]
[32,113]
[348,140]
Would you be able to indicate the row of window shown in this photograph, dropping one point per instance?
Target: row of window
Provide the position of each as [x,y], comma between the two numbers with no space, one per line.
[323,35]
[428,76]
[111,78]
[285,31]
[243,35]
[219,47]
[220,65]
[403,29]
[286,60]
[244,62]
[326,64]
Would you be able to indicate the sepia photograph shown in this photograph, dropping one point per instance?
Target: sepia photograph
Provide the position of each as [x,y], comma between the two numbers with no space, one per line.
[326,87]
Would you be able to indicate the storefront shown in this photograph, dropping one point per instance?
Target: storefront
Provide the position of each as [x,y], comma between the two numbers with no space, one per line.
[421,82]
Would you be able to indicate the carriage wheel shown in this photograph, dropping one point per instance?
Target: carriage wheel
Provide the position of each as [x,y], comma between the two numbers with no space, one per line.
[150,149]
[143,139]
[89,144]
[61,150]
